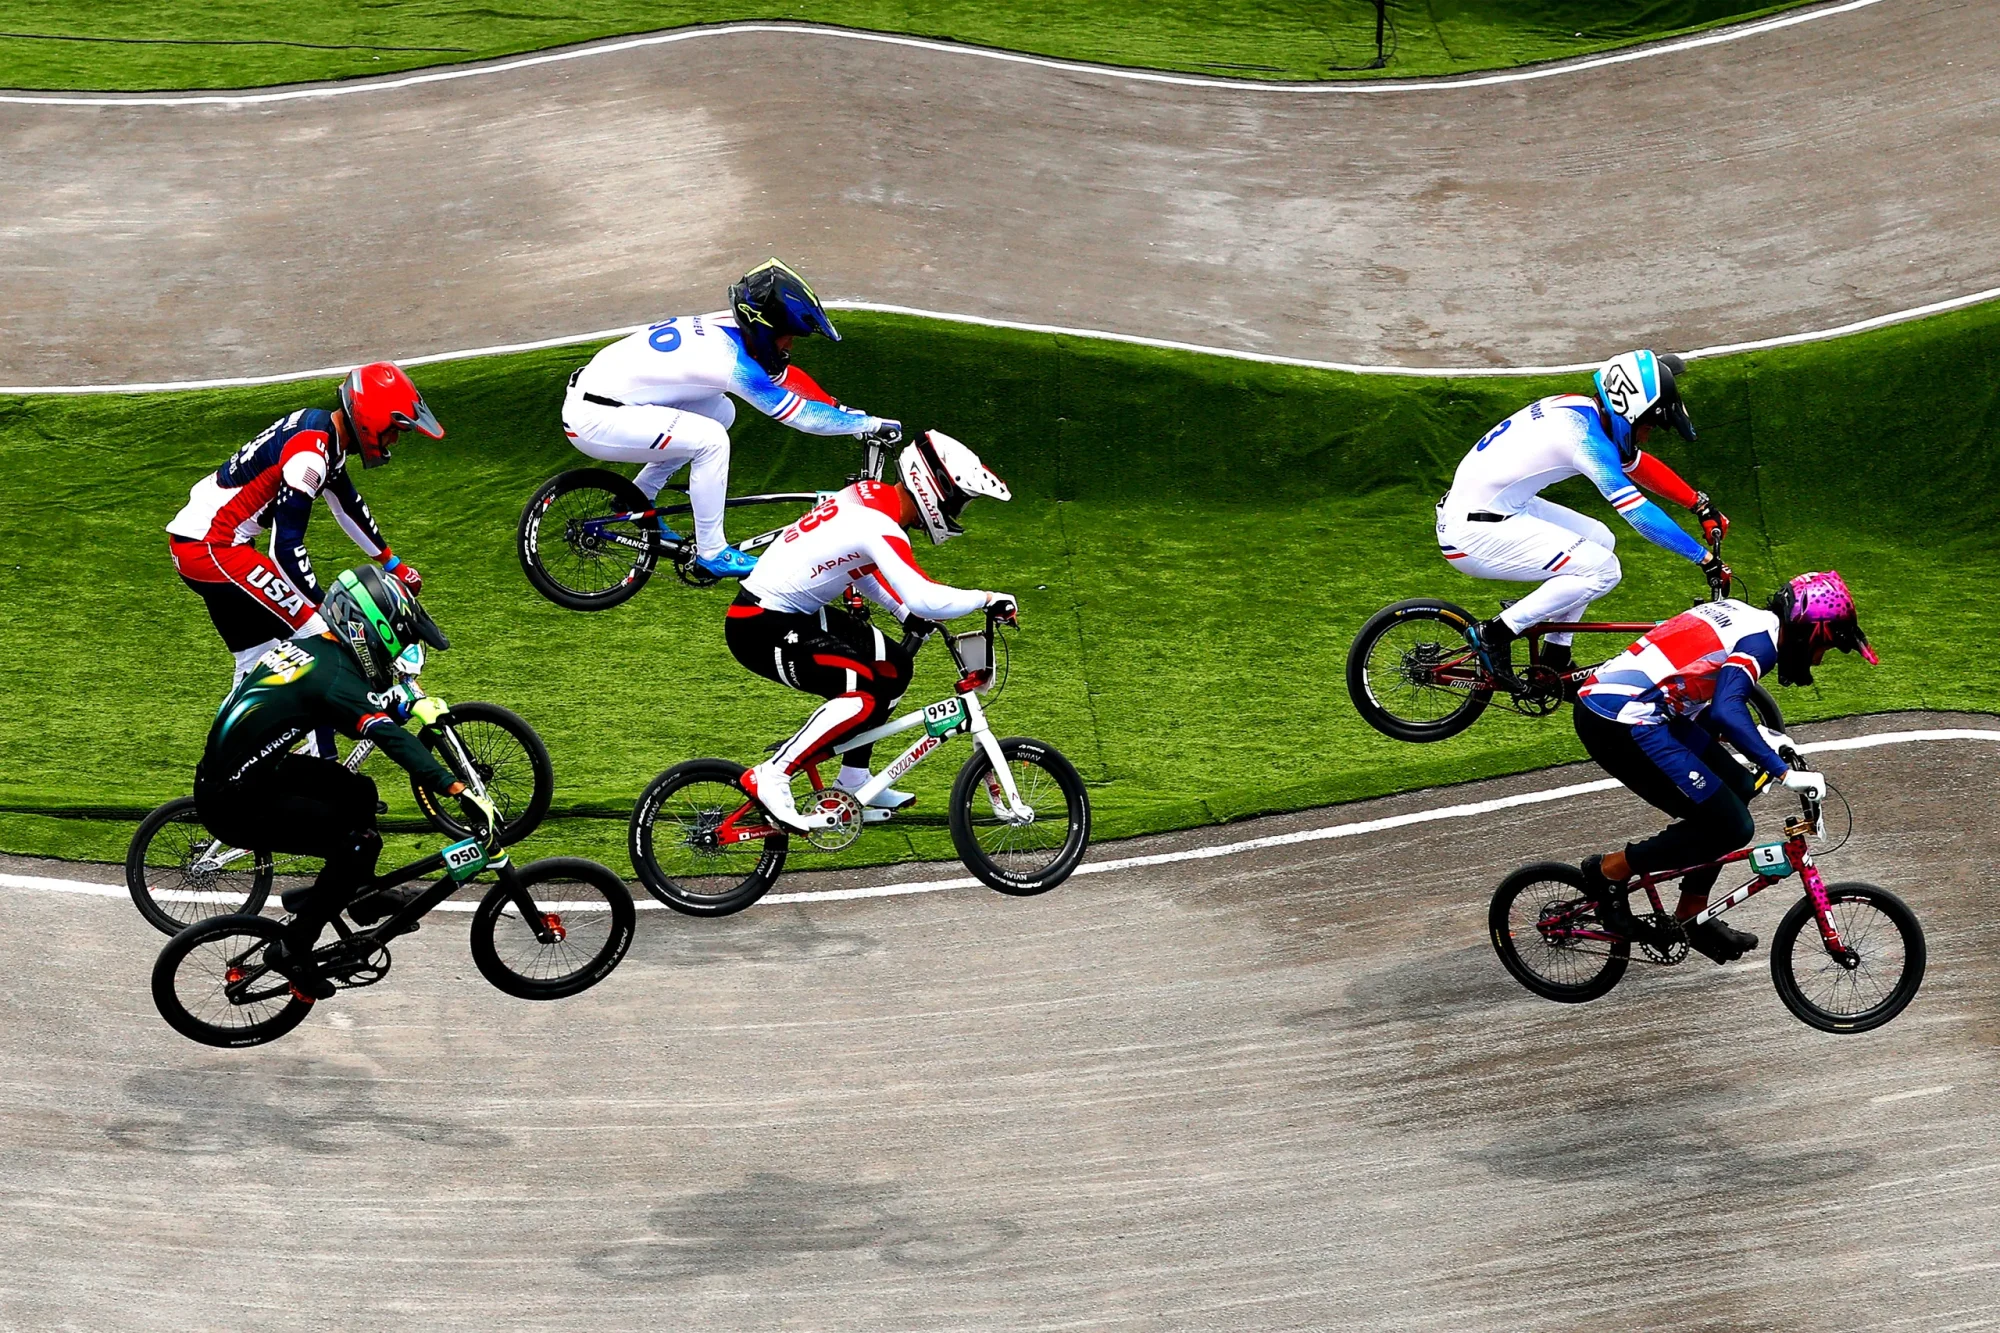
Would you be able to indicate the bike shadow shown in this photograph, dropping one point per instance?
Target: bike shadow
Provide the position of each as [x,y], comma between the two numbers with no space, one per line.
[772,1219]
[303,1105]
[762,937]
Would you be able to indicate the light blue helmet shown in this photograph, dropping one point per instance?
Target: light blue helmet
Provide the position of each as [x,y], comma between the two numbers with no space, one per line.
[1640,387]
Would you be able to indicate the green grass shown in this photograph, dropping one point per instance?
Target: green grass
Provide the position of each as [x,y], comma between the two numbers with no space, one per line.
[142,44]
[1195,541]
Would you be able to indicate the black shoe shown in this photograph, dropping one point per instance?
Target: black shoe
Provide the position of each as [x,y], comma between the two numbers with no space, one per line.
[1558,657]
[302,972]
[1612,912]
[1720,942]
[1494,643]
[372,907]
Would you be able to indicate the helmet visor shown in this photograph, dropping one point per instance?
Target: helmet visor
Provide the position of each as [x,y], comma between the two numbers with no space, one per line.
[424,422]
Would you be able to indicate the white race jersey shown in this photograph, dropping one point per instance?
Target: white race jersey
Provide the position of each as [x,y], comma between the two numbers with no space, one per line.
[690,359]
[853,537]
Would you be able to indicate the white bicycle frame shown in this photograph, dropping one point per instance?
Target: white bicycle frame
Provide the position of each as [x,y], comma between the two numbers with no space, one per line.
[971,719]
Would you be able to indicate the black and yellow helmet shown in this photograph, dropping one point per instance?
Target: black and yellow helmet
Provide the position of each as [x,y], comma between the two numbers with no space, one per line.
[378,620]
[770,301]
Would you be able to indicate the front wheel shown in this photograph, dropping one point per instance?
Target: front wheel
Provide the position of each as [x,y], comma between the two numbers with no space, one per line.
[1769,715]
[504,754]
[1548,936]
[574,549]
[213,983]
[1878,975]
[700,844]
[1014,854]
[552,928]
[1413,674]
[178,873]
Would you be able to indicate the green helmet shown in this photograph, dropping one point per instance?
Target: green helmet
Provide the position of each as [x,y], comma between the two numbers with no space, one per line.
[379,621]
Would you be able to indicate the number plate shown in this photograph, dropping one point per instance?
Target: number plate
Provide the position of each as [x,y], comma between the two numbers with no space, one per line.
[1770,859]
[941,719]
[463,860]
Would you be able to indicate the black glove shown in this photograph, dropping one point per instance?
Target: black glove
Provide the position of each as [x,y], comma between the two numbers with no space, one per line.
[1004,607]
[1714,523]
[1719,576]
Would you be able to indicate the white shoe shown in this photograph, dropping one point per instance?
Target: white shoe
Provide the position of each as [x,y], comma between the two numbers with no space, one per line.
[771,786]
[886,799]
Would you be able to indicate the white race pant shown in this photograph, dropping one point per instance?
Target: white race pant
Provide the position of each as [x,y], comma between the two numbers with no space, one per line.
[665,440]
[1568,553]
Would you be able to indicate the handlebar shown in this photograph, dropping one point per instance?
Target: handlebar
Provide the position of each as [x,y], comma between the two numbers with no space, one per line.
[1810,807]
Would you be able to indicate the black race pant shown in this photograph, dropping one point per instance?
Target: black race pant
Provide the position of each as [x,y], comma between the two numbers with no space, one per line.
[309,807]
[1712,827]
[829,654]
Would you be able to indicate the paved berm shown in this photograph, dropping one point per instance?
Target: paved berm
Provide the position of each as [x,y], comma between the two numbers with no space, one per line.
[1288,1088]
[1829,172]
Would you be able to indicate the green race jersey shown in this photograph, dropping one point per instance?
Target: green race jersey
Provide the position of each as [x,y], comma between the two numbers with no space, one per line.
[293,690]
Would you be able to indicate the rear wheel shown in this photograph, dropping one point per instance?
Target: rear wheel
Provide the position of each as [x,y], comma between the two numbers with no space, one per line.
[1547,935]
[1413,674]
[571,549]
[179,874]
[1008,855]
[683,843]
[214,984]
[1878,976]
[585,917]
[506,756]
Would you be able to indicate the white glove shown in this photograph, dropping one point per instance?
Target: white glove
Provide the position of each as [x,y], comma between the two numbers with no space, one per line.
[1777,740]
[1805,783]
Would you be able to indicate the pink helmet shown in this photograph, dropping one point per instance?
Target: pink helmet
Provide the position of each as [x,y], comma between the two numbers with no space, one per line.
[1818,613]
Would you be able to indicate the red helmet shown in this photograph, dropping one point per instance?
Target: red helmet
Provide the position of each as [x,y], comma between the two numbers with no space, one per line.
[380,401]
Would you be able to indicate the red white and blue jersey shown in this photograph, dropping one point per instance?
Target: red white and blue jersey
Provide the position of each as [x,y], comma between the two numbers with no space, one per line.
[692,358]
[853,537]
[272,482]
[1675,670]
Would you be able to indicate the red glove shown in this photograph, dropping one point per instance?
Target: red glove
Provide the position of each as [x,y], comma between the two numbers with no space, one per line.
[1714,523]
[404,571]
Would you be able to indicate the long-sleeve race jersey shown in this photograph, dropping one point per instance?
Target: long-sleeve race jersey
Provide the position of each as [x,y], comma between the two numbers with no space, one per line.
[1560,437]
[273,480]
[853,537]
[298,687]
[1702,661]
[686,359]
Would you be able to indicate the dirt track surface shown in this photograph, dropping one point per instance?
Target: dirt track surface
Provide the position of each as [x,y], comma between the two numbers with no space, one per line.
[1290,1088]
[1825,173]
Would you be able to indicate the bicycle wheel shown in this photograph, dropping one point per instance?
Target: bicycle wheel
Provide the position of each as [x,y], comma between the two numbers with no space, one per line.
[1766,708]
[572,554]
[1536,921]
[509,760]
[178,874]
[586,911]
[1412,672]
[682,845]
[1014,858]
[1868,989]
[213,985]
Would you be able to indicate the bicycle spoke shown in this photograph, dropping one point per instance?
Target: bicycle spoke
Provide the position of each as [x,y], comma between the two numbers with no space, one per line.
[1414,673]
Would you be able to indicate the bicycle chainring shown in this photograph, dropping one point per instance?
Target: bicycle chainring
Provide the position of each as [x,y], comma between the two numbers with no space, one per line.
[1670,952]
[361,964]
[692,575]
[845,808]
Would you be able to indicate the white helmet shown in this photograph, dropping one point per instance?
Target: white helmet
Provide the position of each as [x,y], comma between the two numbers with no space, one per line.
[942,475]
[1639,386]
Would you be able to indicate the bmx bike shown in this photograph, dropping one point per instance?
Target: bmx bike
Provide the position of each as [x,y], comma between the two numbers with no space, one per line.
[547,930]
[1019,814]
[1858,968]
[177,873]
[1414,674]
[589,539]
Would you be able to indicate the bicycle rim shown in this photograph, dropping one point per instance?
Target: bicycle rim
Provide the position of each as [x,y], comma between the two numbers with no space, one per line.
[1010,856]
[575,563]
[184,874]
[213,984]
[585,920]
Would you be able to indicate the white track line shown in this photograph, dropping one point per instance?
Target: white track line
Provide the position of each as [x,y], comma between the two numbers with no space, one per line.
[1421,372]
[1468,810]
[1377,87]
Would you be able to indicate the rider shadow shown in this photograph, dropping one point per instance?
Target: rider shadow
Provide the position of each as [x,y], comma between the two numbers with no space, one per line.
[773,1219]
[767,938]
[1456,985]
[1641,1144]
[296,1104]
